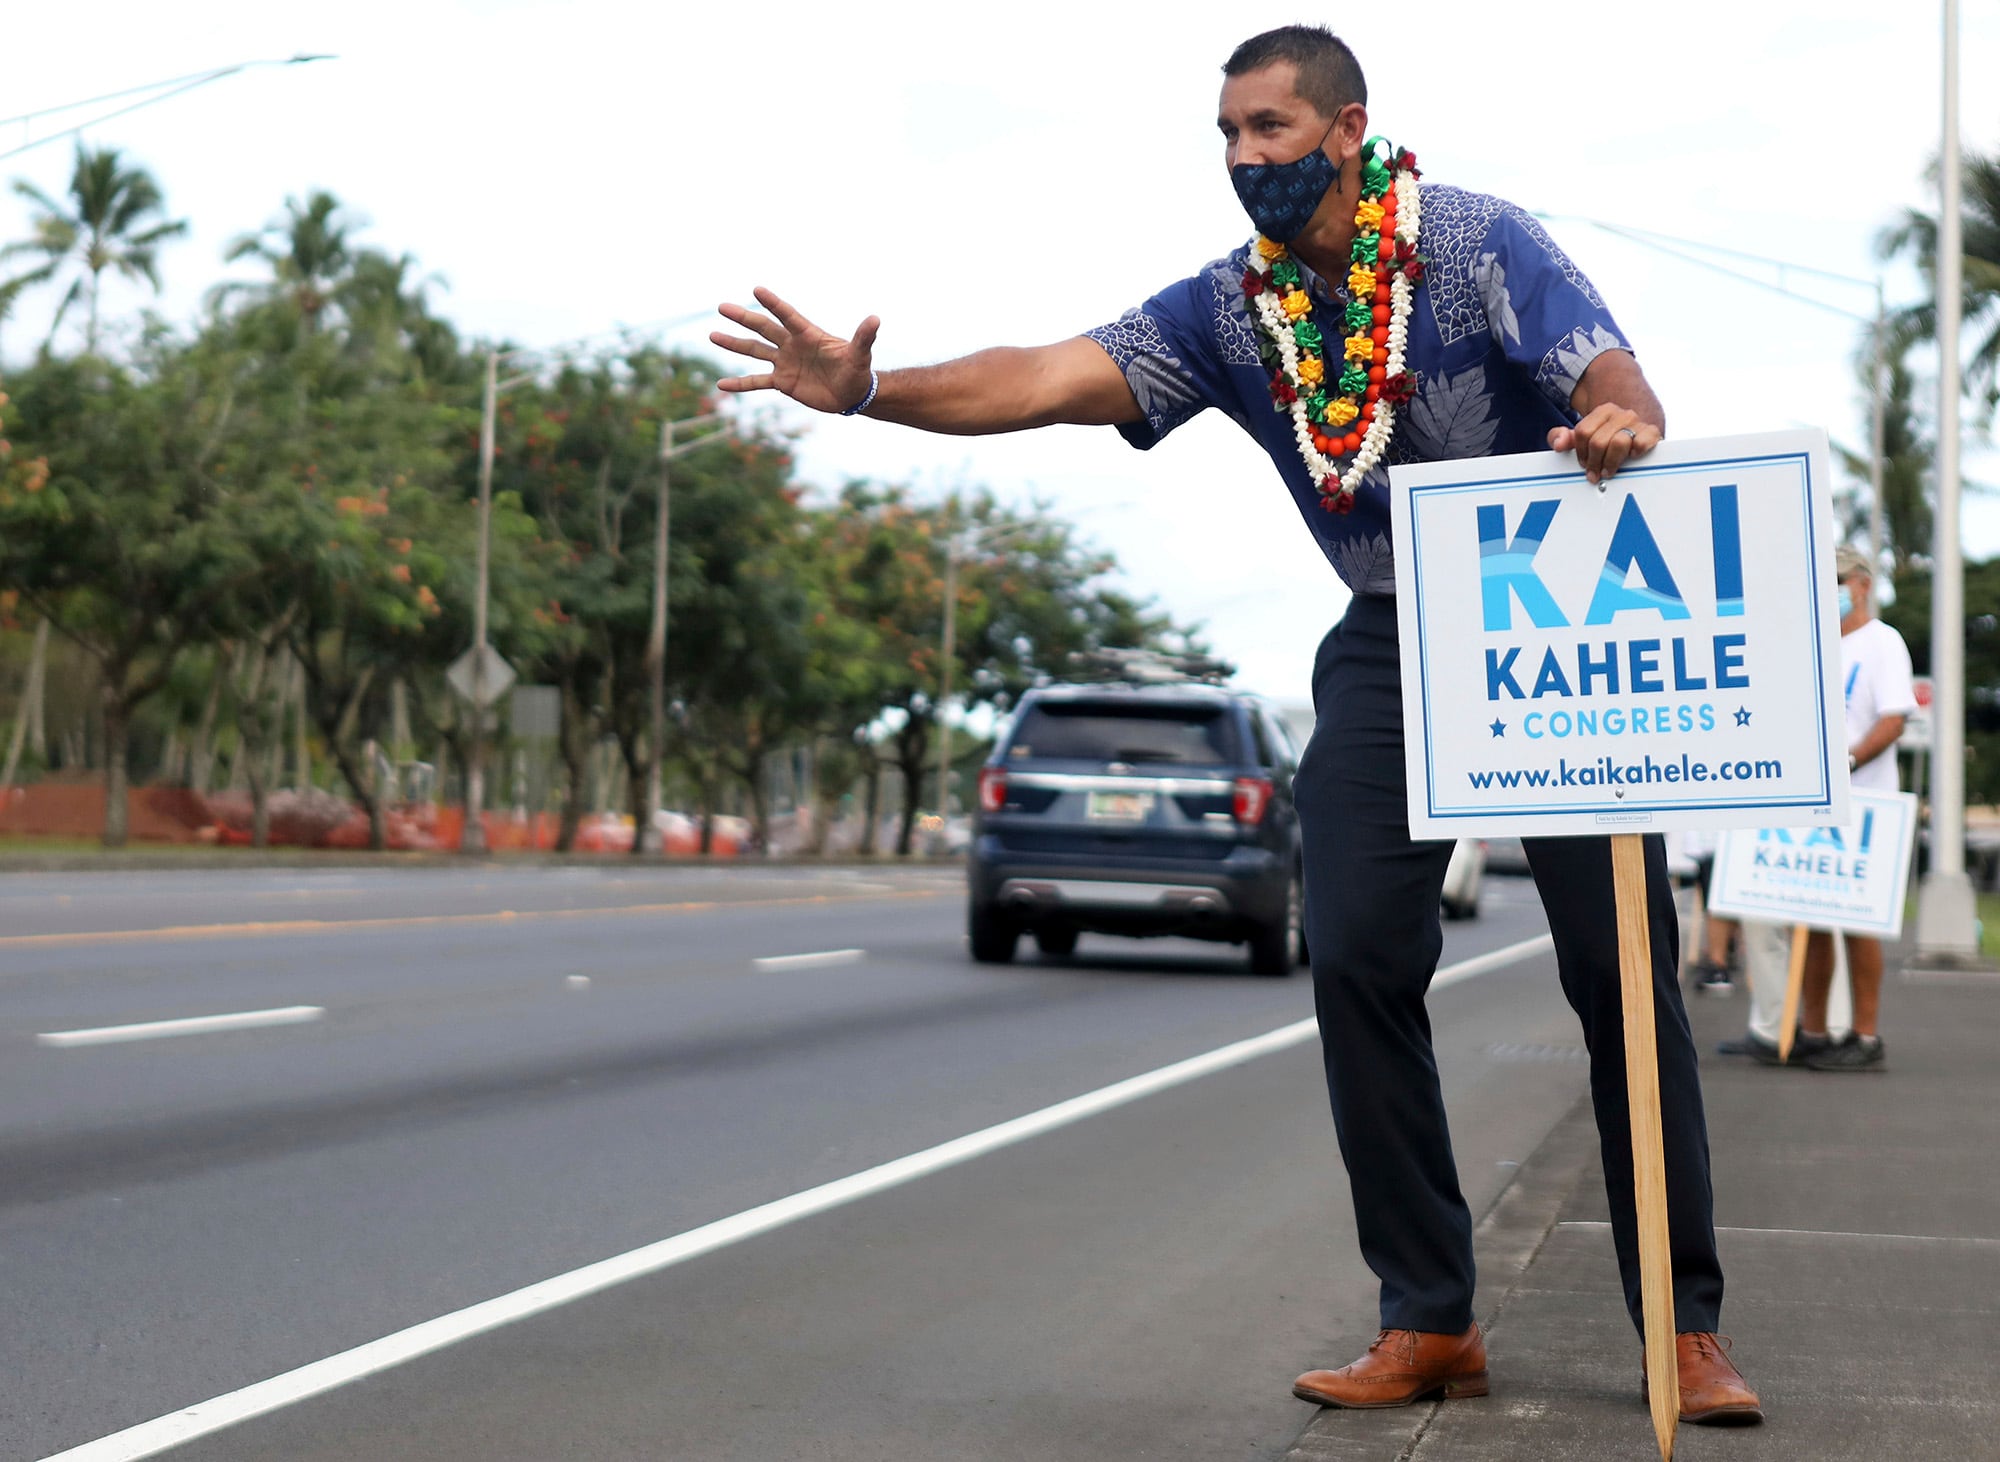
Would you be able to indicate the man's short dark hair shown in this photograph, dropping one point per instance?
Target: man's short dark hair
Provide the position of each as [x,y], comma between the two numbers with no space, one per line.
[1329,76]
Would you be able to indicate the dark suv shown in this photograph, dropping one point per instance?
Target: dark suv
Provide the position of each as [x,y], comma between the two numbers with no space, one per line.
[1138,809]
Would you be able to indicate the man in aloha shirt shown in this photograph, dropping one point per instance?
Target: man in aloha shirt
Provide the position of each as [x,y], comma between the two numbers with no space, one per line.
[1511,350]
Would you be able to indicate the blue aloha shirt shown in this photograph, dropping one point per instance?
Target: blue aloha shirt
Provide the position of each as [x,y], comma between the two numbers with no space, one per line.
[1501,331]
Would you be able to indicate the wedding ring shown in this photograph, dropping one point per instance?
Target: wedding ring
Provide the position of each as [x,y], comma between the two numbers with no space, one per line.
[1629,432]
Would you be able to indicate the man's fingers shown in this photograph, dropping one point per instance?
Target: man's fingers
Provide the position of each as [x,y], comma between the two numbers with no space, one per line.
[1605,440]
[1612,446]
[735,385]
[865,333]
[764,325]
[743,345]
[790,318]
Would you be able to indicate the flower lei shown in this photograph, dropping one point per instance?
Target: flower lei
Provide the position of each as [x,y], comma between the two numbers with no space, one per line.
[1351,414]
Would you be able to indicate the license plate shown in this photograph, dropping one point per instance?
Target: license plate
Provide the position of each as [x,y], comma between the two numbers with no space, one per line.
[1118,806]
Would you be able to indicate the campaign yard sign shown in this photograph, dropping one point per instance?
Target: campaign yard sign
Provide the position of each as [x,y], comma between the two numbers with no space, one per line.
[1853,877]
[1661,654]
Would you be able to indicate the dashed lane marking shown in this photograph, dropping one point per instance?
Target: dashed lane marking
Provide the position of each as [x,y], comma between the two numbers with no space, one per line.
[818,960]
[150,1438]
[194,1025]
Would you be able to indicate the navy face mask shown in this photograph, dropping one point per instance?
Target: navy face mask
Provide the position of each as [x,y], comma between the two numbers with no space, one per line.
[1281,197]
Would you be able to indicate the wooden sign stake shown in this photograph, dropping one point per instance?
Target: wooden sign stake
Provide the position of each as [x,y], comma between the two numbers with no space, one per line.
[1649,1163]
[1795,984]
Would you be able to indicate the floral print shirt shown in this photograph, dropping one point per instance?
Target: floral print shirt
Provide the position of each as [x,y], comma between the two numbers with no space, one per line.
[1501,330]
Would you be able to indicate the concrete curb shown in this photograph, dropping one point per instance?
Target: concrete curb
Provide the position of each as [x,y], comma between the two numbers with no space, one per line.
[1505,1243]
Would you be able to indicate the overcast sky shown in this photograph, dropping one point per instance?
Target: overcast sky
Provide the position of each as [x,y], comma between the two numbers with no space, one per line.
[1015,173]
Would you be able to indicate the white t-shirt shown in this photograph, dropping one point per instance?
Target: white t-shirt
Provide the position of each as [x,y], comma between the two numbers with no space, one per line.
[1875,672]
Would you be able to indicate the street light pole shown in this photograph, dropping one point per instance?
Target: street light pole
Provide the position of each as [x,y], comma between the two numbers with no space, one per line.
[949,649]
[473,839]
[1001,535]
[1945,905]
[648,837]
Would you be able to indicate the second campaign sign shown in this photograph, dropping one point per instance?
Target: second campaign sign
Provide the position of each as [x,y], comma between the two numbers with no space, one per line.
[1661,654]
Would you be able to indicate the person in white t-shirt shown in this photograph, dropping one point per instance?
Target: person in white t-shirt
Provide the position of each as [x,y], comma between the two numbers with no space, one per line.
[1875,673]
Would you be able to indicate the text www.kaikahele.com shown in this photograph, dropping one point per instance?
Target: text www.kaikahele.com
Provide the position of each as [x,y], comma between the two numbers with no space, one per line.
[1607,771]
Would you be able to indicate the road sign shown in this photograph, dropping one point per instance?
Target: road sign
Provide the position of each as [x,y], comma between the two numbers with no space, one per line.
[535,712]
[497,677]
[1917,725]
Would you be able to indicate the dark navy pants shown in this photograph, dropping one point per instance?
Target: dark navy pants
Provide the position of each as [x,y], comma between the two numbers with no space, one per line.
[1372,923]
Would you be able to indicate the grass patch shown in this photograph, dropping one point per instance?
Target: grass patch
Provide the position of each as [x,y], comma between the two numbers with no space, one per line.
[1986,909]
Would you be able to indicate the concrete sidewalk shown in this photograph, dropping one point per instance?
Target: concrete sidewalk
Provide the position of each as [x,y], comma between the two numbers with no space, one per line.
[1859,1220]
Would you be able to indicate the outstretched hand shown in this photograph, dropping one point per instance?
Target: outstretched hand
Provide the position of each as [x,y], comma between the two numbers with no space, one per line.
[809,365]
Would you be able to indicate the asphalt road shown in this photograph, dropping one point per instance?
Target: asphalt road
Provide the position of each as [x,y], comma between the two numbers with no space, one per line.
[513,1074]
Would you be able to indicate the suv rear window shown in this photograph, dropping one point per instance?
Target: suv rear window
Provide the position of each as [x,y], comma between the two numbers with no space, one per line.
[1186,735]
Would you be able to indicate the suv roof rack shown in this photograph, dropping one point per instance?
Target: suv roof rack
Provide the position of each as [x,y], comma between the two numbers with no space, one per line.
[1146,667]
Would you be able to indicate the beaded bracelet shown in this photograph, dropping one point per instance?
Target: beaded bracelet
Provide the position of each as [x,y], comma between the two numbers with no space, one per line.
[874,384]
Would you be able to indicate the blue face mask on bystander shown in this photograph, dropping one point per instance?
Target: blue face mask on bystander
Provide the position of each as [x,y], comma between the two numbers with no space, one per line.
[1846,601]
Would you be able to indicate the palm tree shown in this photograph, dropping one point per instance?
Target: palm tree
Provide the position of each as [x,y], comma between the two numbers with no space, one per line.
[308,253]
[1908,456]
[112,219]
[1916,236]
[385,305]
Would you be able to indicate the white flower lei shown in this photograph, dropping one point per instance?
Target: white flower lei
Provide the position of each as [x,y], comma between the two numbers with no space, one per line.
[1271,312]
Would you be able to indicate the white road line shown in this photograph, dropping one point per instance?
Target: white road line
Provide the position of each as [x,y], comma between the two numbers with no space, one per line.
[150,1438]
[199,1025]
[812,961]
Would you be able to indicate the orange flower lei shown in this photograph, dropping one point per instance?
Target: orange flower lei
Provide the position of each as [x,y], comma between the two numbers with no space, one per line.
[1343,405]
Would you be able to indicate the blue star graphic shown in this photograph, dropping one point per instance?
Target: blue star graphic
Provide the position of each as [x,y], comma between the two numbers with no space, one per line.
[1498,728]
[1742,716]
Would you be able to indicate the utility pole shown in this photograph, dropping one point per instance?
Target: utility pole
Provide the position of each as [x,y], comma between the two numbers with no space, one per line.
[473,840]
[1945,906]
[949,649]
[1002,535]
[647,837]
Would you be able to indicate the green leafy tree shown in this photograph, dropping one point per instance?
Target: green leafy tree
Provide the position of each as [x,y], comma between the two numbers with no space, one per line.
[1029,597]
[113,218]
[748,589]
[1910,615]
[123,532]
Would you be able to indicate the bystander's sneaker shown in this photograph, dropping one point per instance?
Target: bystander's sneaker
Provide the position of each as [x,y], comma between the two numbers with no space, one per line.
[1804,1047]
[1713,979]
[1855,1053]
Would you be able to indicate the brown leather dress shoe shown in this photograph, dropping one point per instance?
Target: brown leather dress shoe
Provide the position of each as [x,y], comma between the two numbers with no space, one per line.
[1713,1391]
[1402,1366]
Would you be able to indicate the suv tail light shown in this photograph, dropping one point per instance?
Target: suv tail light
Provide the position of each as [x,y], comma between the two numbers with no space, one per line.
[1253,796]
[992,788]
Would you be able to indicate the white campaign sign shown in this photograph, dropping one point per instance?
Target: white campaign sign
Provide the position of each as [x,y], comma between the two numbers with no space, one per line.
[1662,654]
[1853,877]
